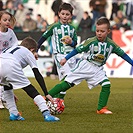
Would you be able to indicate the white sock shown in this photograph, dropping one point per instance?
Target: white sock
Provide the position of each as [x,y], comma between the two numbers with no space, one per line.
[1,92]
[64,93]
[41,103]
[9,98]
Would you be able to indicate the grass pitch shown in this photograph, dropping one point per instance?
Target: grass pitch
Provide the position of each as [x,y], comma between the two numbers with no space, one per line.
[79,115]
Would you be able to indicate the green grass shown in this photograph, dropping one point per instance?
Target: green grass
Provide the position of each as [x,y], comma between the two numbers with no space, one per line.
[79,115]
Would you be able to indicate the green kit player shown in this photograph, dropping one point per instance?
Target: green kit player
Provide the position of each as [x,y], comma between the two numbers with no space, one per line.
[96,51]
[64,40]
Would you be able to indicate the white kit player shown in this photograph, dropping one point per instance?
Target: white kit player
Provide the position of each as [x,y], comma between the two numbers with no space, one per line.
[7,39]
[12,77]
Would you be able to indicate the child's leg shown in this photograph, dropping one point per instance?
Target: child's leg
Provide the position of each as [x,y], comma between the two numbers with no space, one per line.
[104,95]
[62,87]
[61,94]
[1,93]
[1,97]
[9,97]
[40,102]
[103,98]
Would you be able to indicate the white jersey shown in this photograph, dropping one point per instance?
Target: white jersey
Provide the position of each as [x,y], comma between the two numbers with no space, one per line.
[7,39]
[23,56]
[12,61]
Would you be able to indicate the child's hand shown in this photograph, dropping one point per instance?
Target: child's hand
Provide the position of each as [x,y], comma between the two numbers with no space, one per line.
[49,98]
[63,61]
[68,40]
[36,55]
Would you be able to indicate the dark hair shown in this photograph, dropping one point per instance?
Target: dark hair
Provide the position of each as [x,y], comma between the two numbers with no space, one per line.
[66,6]
[103,20]
[29,43]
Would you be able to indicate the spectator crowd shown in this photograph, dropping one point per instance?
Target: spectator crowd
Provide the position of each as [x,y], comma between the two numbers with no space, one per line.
[121,15]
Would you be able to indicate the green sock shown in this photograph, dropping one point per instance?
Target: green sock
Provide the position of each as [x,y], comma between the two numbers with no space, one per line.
[63,86]
[104,95]
[60,95]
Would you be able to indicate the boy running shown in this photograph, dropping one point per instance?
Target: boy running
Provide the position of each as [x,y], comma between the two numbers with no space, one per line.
[12,77]
[90,67]
[64,40]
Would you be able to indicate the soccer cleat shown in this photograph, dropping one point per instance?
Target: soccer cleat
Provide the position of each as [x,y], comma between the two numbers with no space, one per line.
[104,110]
[16,117]
[51,118]
[1,105]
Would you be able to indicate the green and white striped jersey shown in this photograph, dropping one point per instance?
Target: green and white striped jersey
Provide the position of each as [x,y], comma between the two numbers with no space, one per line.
[58,31]
[98,52]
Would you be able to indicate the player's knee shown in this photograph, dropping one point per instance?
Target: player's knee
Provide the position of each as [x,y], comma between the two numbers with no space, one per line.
[106,85]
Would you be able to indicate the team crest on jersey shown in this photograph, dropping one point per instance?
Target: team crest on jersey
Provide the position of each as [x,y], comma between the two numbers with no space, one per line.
[59,31]
[5,44]
[99,57]
[107,49]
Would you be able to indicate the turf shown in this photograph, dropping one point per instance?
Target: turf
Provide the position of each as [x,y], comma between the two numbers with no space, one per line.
[79,115]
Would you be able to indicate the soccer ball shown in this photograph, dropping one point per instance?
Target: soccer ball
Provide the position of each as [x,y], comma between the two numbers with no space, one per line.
[57,107]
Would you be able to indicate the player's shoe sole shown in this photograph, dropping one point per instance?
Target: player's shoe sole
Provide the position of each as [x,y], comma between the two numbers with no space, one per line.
[51,118]
[16,117]
[104,110]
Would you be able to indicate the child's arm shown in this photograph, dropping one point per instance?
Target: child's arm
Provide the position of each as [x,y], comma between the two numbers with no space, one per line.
[127,58]
[71,54]
[41,40]
[41,82]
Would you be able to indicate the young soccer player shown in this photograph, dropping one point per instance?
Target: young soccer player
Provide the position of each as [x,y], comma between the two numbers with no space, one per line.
[90,67]
[7,39]
[64,40]
[12,77]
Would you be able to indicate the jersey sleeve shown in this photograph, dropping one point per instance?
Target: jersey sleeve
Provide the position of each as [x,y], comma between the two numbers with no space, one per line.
[48,32]
[31,61]
[117,50]
[83,47]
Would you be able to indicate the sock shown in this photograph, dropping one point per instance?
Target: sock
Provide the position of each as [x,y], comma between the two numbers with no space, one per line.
[46,113]
[9,98]
[63,86]
[104,95]
[41,103]
[1,93]
[60,95]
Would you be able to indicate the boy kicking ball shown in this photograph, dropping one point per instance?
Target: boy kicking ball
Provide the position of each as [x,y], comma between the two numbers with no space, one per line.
[90,67]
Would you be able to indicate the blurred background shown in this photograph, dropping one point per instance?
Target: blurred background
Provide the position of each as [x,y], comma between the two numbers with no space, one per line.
[34,16]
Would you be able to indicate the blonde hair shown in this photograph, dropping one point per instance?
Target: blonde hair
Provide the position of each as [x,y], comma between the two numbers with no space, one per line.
[13,20]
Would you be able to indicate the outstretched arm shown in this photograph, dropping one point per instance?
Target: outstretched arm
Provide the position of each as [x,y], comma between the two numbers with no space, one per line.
[41,82]
[41,40]
[73,53]
[127,58]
